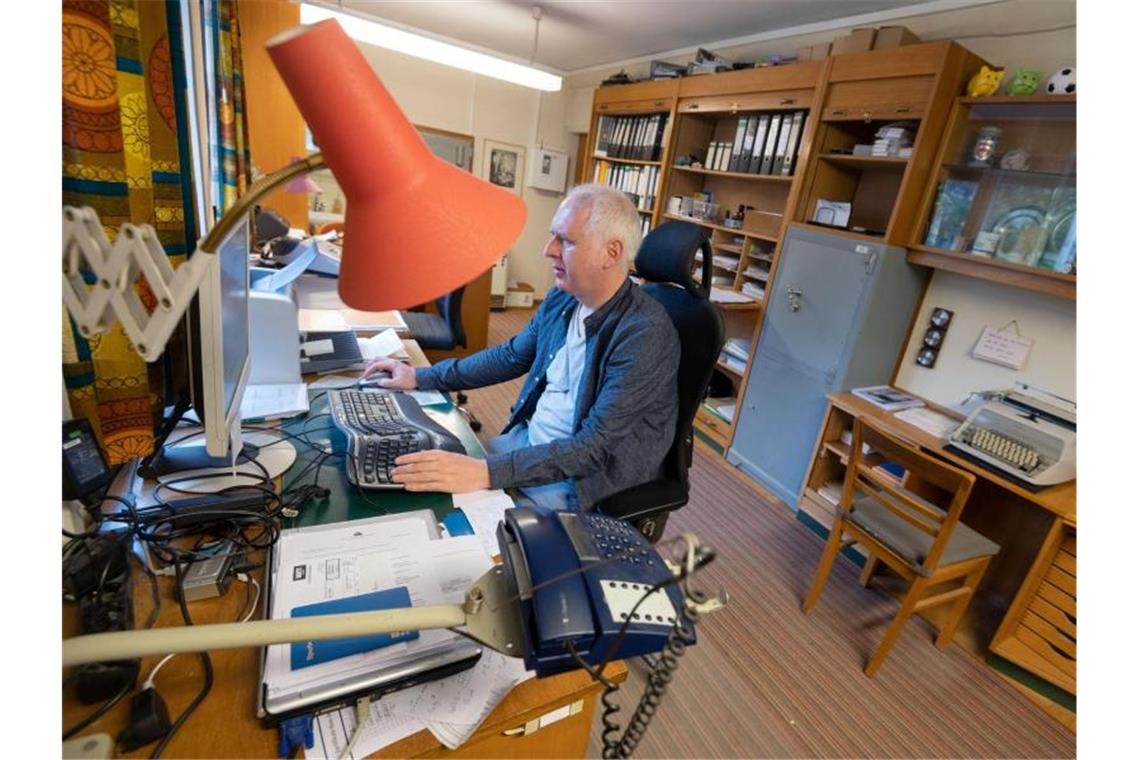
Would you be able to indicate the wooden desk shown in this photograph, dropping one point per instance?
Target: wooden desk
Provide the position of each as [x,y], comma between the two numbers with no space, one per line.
[1031,585]
[225,724]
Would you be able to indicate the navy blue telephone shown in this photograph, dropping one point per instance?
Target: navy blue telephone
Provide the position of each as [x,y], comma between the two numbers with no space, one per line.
[579,577]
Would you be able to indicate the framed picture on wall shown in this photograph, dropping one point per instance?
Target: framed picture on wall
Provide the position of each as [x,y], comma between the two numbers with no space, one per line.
[548,170]
[504,164]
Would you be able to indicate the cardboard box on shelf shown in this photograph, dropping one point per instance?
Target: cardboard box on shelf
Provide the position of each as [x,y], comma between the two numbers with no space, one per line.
[520,296]
[762,222]
[894,36]
[860,40]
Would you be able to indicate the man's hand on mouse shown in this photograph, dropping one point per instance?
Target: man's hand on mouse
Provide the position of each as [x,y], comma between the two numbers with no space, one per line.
[436,470]
[402,377]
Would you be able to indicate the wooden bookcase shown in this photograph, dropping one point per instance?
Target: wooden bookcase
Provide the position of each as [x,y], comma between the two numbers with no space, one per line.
[915,84]
[710,109]
[638,99]
[1026,213]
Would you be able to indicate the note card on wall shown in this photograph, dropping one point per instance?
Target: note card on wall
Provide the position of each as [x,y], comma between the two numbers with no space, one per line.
[1005,346]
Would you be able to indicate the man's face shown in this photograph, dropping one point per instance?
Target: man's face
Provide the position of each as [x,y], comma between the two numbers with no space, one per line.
[577,260]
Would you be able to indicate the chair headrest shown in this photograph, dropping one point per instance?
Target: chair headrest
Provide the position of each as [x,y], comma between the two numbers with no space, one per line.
[666,255]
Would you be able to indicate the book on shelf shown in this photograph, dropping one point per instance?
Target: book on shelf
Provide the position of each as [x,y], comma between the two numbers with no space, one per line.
[725,408]
[737,347]
[732,361]
[887,398]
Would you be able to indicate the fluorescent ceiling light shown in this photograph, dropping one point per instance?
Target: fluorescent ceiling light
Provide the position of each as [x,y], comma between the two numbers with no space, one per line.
[428,48]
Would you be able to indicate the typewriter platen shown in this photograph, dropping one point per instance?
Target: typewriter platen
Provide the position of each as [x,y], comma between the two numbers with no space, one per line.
[1025,433]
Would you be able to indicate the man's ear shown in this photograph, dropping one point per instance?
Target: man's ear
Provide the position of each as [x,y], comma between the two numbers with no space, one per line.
[614,254]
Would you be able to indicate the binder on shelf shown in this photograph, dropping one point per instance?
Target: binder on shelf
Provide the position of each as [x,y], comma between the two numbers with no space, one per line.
[746,147]
[662,122]
[758,144]
[725,156]
[738,144]
[638,139]
[793,148]
[782,144]
[774,129]
[710,153]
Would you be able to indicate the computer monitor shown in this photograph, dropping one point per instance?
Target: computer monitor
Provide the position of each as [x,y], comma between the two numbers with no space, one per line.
[220,342]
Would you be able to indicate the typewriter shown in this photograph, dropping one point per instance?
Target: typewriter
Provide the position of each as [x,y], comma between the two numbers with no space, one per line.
[1025,433]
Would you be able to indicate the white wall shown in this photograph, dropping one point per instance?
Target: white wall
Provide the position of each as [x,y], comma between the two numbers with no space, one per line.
[445,98]
[1050,321]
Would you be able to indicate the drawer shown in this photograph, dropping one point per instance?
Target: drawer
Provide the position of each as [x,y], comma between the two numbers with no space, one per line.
[713,426]
[892,98]
[1040,632]
[760,101]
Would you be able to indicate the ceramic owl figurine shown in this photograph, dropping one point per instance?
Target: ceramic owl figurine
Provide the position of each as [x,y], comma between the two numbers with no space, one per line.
[1024,82]
[985,82]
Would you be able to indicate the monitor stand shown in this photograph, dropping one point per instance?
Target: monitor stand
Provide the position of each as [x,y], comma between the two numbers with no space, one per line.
[187,465]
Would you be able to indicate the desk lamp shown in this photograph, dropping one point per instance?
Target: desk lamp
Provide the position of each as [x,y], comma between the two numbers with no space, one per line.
[420,227]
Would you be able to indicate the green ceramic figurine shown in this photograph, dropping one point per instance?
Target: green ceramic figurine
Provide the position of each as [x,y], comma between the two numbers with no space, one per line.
[1024,82]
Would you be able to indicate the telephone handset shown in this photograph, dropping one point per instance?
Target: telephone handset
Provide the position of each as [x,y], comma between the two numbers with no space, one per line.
[579,577]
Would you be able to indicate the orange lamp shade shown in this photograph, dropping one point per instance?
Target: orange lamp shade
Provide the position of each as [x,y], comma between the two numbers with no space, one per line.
[416,227]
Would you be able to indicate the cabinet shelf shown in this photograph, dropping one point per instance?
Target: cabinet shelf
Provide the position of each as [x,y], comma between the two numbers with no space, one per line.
[627,161]
[729,369]
[721,227]
[1005,272]
[737,249]
[997,171]
[736,175]
[866,162]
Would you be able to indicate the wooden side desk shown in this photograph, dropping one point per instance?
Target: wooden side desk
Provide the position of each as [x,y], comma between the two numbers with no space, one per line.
[225,724]
[1030,589]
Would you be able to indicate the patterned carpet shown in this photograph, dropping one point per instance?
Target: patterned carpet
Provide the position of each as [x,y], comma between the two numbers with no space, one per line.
[765,680]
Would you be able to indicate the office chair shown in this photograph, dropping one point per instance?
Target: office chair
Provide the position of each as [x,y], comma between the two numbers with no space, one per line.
[443,332]
[912,526]
[665,262]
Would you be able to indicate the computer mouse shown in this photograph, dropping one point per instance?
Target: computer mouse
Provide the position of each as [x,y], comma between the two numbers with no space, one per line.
[373,381]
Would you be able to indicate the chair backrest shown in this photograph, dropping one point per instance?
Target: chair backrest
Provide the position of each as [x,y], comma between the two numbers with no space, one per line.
[952,484]
[450,307]
[665,262]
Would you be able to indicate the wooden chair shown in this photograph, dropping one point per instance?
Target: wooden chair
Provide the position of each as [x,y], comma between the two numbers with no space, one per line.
[918,539]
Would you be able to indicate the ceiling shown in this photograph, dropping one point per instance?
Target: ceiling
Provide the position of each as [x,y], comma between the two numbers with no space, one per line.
[582,34]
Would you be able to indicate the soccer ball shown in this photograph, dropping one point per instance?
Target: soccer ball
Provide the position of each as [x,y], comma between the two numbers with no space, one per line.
[1063,82]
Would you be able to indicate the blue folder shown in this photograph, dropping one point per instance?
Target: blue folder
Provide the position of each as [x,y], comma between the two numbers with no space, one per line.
[302,654]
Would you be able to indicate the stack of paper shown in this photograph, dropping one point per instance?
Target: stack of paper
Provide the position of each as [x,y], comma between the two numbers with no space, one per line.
[274,401]
[723,295]
[484,510]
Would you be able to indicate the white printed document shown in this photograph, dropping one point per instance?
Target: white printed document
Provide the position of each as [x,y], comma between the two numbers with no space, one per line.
[274,400]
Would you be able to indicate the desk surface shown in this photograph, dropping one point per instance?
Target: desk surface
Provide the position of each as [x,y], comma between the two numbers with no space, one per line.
[1060,499]
[225,724]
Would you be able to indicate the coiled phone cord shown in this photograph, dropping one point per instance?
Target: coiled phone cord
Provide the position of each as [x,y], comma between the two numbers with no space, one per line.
[683,630]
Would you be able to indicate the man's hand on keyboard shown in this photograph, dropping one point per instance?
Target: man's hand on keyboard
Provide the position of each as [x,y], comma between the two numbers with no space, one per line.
[435,470]
[403,377]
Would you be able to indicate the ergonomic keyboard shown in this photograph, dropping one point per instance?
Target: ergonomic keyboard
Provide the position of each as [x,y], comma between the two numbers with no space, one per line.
[380,426]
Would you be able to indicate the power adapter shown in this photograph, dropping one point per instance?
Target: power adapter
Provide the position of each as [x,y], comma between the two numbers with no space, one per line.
[149,720]
[209,577]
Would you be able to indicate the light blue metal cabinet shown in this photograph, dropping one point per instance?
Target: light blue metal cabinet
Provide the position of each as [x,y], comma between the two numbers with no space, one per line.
[836,316]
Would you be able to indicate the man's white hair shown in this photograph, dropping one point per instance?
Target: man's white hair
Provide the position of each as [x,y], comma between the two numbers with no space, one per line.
[612,216]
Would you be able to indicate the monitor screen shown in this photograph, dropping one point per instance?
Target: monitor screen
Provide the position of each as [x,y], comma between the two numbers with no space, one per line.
[222,340]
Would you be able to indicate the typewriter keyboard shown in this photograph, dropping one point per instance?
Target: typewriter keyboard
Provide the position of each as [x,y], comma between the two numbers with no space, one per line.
[1000,447]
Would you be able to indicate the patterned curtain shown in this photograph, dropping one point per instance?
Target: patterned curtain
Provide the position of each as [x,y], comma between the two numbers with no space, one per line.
[126,154]
[229,148]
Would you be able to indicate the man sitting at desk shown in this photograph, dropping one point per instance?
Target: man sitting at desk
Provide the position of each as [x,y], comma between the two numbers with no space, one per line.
[598,410]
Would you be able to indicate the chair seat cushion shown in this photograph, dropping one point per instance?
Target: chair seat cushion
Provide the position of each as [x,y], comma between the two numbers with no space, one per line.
[429,330]
[662,495]
[910,542]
